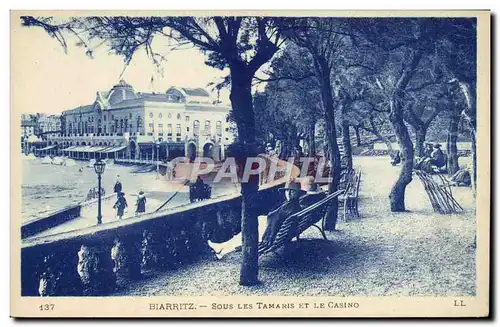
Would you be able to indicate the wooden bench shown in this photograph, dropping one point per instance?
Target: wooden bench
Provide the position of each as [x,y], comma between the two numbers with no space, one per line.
[296,224]
[349,199]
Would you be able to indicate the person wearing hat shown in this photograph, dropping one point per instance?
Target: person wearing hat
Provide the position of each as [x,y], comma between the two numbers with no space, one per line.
[275,218]
[313,193]
[118,186]
[141,203]
[268,225]
[437,156]
[427,150]
[120,205]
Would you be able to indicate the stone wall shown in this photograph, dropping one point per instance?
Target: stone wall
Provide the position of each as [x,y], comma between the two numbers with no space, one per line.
[94,260]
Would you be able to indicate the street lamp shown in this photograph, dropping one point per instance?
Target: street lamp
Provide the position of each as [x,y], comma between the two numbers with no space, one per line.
[157,158]
[99,167]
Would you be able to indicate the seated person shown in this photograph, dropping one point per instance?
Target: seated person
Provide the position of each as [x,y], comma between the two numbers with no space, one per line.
[461,178]
[427,150]
[313,193]
[437,156]
[268,225]
[396,158]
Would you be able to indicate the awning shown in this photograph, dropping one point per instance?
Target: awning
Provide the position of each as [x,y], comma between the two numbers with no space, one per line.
[98,148]
[71,148]
[47,147]
[85,148]
[114,149]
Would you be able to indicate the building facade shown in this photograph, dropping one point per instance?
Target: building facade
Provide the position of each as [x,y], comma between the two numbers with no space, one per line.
[124,123]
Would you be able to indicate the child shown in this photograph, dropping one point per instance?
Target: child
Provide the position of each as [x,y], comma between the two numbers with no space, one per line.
[120,205]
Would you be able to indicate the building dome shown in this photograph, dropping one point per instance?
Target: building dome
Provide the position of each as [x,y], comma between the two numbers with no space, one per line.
[120,92]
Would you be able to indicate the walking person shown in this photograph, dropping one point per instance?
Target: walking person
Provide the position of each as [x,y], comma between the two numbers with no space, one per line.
[141,203]
[118,186]
[120,205]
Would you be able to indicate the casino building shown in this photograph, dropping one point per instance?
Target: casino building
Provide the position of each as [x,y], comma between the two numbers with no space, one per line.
[122,123]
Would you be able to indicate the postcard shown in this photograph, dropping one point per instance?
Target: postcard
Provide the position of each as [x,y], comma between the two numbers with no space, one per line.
[250,164]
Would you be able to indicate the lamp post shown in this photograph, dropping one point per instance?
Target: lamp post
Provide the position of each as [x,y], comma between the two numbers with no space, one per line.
[99,167]
[157,158]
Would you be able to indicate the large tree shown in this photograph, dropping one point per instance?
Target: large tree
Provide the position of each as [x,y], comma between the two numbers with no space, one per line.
[327,41]
[401,43]
[242,44]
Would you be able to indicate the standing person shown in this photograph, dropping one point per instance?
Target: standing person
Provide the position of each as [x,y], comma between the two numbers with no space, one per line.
[118,186]
[141,203]
[120,205]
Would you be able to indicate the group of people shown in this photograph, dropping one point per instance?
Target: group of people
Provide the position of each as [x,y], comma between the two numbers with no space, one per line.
[121,201]
[433,159]
[297,197]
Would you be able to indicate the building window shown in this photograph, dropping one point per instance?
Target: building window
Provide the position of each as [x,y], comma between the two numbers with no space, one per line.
[151,128]
[112,117]
[160,128]
[207,127]
[104,117]
[187,128]
[169,129]
[187,118]
[196,127]
[178,129]
[178,116]
[218,128]
[130,116]
[160,115]
[169,115]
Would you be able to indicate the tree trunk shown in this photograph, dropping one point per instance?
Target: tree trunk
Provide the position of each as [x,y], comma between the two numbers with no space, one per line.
[311,140]
[451,144]
[397,195]
[474,164]
[346,139]
[420,133]
[469,113]
[358,137]
[241,101]
[331,134]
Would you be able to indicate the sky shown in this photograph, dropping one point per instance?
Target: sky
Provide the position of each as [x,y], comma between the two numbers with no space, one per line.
[47,80]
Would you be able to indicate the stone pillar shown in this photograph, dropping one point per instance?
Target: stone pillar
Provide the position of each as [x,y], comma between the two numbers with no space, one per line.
[67,281]
[126,255]
[95,268]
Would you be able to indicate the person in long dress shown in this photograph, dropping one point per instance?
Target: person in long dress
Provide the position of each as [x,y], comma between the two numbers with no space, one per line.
[120,205]
[141,203]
